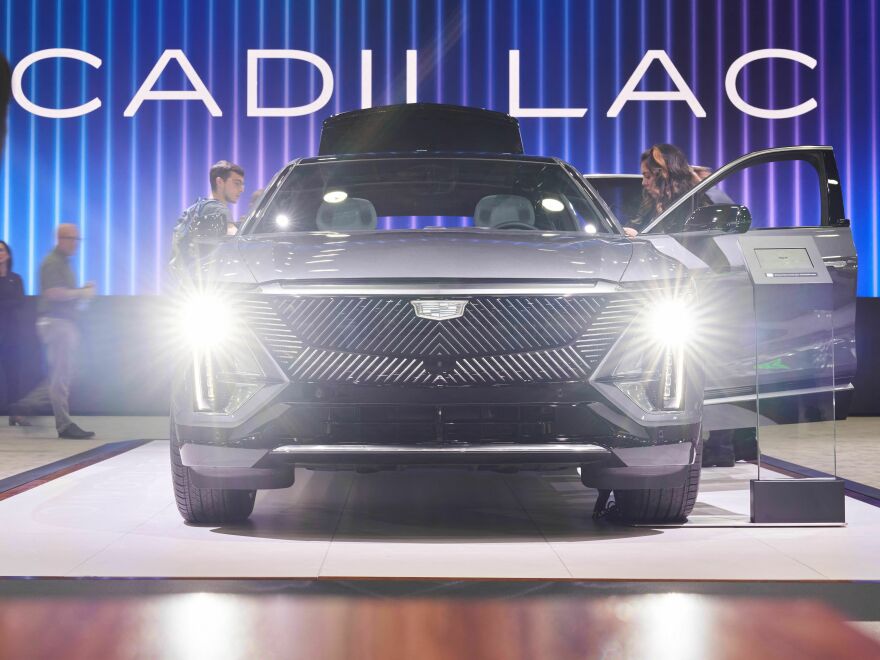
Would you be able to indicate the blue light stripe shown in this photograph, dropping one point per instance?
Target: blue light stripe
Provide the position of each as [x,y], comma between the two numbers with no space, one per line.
[618,143]
[797,120]
[158,142]
[439,51]
[32,160]
[566,44]
[210,120]
[85,245]
[464,52]
[337,55]
[541,75]
[312,40]
[56,215]
[490,55]
[823,98]
[133,156]
[875,182]
[388,39]
[695,46]
[287,82]
[591,113]
[849,177]
[669,42]
[261,145]
[719,99]
[10,126]
[236,16]
[771,128]
[108,154]
[745,84]
[643,129]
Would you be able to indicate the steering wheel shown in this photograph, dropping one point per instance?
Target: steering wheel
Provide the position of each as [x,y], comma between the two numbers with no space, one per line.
[514,224]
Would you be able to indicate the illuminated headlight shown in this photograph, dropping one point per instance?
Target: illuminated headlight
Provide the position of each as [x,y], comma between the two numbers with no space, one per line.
[651,371]
[206,320]
[225,370]
[671,322]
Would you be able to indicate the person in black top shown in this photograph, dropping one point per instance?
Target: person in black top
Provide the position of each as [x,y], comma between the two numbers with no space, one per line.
[11,299]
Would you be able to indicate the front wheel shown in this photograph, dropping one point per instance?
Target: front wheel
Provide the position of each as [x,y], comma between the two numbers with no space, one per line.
[206,505]
[661,505]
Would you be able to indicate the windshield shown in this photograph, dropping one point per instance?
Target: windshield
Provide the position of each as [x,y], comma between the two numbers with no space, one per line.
[430,193]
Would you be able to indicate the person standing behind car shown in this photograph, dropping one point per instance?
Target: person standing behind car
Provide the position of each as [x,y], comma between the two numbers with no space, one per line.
[208,217]
[58,310]
[11,300]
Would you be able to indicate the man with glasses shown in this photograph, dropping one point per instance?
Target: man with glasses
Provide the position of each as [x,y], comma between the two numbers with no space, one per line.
[56,325]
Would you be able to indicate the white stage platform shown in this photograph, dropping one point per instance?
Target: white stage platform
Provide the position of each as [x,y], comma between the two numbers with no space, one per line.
[117,518]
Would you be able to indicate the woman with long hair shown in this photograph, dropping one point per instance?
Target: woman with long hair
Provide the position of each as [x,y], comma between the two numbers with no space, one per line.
[666,176]
[11,299]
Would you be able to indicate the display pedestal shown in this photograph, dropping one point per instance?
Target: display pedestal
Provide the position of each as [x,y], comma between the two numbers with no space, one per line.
[797,500]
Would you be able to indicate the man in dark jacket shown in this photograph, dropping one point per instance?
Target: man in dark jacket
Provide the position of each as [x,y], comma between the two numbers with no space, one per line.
[208,217]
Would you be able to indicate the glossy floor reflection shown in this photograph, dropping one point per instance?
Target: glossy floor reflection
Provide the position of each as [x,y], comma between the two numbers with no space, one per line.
[117,518]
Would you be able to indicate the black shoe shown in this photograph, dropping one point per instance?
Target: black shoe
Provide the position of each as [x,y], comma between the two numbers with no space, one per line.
[18,420]
[73,432]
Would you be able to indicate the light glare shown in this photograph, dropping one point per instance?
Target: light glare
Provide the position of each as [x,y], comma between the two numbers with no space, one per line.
[335,196]
[552,204]
[671,322]
[206,320]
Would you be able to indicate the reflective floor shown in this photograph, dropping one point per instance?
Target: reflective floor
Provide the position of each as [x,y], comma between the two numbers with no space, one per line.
[117,518]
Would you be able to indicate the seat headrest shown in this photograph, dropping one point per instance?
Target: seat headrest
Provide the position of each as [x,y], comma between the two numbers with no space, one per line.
[352,213]
[495,210]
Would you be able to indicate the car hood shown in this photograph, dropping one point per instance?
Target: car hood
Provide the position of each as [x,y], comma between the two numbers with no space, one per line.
[425,255]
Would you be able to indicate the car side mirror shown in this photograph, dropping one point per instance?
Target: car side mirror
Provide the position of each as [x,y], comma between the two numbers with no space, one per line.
[729,218]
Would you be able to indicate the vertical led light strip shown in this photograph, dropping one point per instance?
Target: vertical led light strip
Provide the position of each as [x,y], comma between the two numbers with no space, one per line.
[8,51]
[744,76]
[668,104]
[286,82]
[823,99]
[464,52]
[490,55]
[618,144]
[541,74]
[261,153]
[157,202]
[83,219]
[236,19]
[312,37]
[32,176]
[337,54]
[591,114]
[413,45]
[719,98]
[875,192]
[847,95]
[210,119]
[108,152]
[643,128]
[184,129]
[388,40]
[133,159]
[771,129]
[439,51]
[56,215]
[695,143]
[796,21]
[566,72]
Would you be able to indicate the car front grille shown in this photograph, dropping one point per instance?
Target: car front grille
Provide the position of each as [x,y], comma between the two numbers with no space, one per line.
[380,340]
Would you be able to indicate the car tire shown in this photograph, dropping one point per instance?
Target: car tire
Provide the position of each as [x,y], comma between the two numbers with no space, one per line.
[206,505]
[661,505]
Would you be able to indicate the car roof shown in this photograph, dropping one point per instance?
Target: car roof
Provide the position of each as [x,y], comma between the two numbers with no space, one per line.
[405,155]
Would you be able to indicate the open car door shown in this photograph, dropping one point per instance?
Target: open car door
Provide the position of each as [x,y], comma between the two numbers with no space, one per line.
[777,194]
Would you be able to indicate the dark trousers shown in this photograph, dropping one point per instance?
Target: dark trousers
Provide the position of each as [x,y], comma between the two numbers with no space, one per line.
[9,362]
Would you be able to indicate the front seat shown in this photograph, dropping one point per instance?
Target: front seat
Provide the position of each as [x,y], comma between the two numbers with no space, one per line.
[350,214]
[497,210]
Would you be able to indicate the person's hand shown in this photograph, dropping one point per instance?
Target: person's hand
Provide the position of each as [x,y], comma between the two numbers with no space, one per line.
[88,291]
[231,229]
[629,232]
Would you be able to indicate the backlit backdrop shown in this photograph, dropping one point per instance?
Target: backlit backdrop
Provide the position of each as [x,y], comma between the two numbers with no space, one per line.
[125,180]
